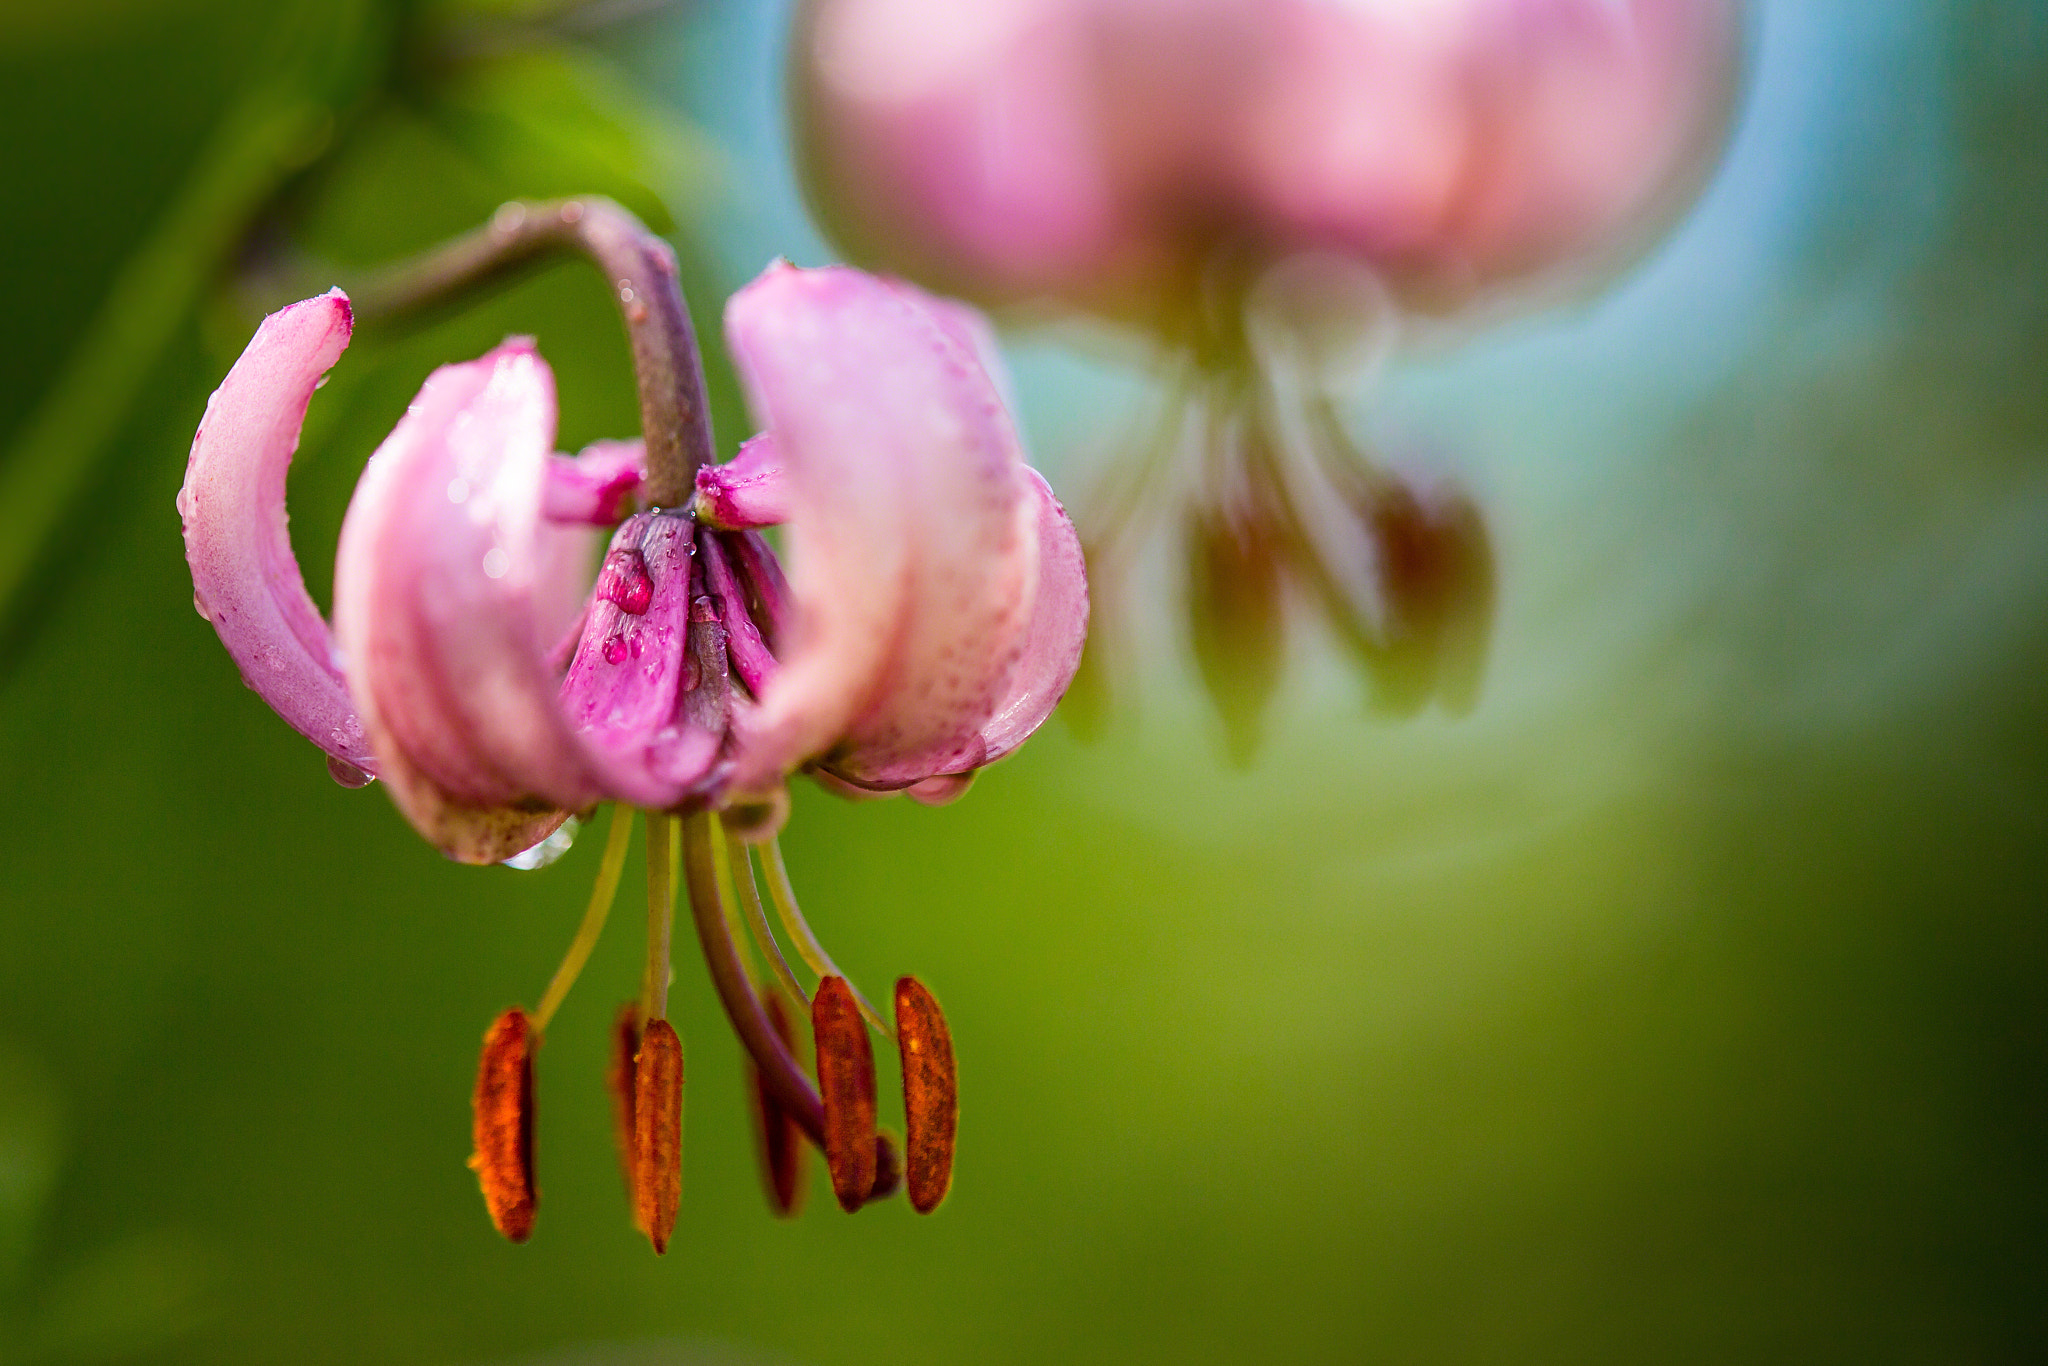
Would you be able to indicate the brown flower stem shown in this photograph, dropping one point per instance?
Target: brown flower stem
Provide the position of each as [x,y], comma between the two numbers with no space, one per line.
[639,269]
[779,1071]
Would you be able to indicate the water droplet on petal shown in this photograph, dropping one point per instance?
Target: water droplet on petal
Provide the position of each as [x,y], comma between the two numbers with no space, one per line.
[342,771]
[624,582]
[615,650]
[548,850]
[199,606]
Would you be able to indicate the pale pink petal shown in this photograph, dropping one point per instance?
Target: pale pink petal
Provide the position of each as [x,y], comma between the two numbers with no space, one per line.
[959,142]
[1109,152]
[1052,653]
[567,559]
[244,578]
[437,609]
[1059,618]
[1052,644]
[912,536]
[597,486]
[749,490]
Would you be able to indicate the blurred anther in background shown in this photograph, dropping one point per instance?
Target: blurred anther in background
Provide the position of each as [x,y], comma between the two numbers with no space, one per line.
[1273,192]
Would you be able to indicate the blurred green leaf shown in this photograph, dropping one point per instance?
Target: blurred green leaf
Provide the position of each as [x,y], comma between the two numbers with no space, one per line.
[31,1145]
[554,120]
[279,122]
[40,25]
[124,1300]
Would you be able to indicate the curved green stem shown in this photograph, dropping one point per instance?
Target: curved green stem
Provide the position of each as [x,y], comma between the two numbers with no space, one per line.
[609,870]
[806,942]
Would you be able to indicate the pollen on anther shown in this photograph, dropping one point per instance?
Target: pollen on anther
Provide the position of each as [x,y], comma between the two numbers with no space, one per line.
[931,1094]
[503,1124]
[658,1132]
[846,1085]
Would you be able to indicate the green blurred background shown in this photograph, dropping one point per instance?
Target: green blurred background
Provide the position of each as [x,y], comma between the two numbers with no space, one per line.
[1682,1003]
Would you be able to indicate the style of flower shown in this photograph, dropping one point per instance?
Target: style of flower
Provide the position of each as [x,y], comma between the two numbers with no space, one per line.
[931,615]
[1270,189]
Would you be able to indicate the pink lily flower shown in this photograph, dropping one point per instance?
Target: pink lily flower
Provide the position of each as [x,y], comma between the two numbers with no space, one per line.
[932,614]
[1115,153]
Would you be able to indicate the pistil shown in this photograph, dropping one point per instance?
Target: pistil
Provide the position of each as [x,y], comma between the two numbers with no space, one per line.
[748,897]
[780,1073]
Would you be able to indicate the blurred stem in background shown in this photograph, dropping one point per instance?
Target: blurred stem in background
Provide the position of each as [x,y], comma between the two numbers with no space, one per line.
[311,71]
[537,113]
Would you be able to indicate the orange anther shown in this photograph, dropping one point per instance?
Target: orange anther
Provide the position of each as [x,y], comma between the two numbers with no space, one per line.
[503,1124]
[846,1084]
[658,1132]
[931,1094]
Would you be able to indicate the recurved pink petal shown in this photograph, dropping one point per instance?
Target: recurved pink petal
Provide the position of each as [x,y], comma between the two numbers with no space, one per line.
[597,486]
[749,490]
[444,594]
[1058,629]
[438,609]
[912,535]
[244,577]
[1052,651]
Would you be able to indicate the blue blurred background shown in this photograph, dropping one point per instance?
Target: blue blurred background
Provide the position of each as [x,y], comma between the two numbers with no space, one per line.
[1682,1003]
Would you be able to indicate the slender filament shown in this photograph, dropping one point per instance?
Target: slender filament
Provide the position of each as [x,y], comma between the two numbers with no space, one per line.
[609,869]
[748,898]
[661,913]
[806,942]
[779,1071]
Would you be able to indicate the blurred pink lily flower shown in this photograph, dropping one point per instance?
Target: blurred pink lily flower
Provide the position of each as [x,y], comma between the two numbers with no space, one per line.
[1272,190]
[1117,153]
[933,613]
